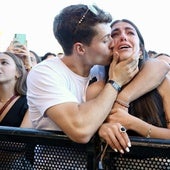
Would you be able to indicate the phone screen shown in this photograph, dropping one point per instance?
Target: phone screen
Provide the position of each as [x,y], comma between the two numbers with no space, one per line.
[20,39]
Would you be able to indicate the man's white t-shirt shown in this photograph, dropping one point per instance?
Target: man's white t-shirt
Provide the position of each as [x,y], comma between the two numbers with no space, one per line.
[50,83]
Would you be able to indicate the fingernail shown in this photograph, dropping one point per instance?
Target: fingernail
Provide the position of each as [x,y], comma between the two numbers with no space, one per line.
[129,144]
[115,150]
[121,151]
[127,149]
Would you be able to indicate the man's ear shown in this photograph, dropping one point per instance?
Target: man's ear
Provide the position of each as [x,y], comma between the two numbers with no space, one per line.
[79,47]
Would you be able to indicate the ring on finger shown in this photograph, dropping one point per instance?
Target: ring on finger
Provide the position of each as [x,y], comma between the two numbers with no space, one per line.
[122,129]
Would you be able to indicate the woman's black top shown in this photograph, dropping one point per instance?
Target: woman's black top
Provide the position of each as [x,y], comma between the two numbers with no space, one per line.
[15,115]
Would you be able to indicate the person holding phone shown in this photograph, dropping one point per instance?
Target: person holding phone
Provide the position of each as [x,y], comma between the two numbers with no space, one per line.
[19,47]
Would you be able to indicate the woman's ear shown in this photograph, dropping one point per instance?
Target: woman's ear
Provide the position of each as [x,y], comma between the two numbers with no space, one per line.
[140,55]
[17,75]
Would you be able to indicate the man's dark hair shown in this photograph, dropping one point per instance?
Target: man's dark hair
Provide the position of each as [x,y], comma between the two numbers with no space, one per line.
[75,24]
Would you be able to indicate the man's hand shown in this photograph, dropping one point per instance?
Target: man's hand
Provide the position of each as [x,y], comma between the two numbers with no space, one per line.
[122,72]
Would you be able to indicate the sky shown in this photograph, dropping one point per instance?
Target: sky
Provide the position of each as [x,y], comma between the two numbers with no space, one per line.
[35,19]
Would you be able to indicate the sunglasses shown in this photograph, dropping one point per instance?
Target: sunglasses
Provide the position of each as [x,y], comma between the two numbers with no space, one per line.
[90,8]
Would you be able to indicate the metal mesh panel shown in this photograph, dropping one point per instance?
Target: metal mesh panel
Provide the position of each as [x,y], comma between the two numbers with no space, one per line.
[15,156]
[18,156]
[30,149]
[142,156]
[26,149]
[53,157]
[121,163]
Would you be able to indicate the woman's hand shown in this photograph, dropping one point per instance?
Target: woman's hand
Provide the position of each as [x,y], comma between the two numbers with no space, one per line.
[22,52]
[122,116]
[115,135]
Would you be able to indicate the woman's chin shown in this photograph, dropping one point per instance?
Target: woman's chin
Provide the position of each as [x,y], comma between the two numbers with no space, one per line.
[122,58]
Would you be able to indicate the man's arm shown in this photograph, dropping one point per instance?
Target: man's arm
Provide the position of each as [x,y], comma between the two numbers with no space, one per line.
[80,121]
[150,77]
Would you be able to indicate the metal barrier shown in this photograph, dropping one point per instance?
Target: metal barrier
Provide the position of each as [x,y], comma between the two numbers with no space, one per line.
[145,154]
[30,149]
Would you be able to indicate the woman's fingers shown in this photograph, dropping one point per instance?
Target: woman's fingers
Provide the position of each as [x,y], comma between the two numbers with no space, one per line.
[115,136]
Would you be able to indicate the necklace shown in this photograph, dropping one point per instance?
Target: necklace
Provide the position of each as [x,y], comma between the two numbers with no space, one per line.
[4,100]
[7,103]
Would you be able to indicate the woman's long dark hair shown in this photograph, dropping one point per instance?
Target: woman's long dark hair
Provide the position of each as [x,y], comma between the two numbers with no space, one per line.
[149,106]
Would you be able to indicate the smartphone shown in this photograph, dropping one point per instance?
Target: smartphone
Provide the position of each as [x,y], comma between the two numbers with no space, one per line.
[19,40]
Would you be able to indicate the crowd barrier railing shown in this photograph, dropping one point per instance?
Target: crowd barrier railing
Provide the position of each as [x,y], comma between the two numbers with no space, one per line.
[32,149]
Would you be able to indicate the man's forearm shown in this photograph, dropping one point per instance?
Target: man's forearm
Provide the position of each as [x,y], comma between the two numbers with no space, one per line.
[149,78]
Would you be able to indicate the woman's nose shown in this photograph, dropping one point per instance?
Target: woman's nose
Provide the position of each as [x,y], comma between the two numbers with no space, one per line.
[123,37]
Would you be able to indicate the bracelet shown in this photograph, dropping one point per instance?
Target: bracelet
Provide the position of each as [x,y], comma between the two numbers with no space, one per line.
[115,85]
[122,103]
[148,135]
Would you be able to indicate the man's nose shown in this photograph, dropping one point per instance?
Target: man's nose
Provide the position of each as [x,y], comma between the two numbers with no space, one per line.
[111,46]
